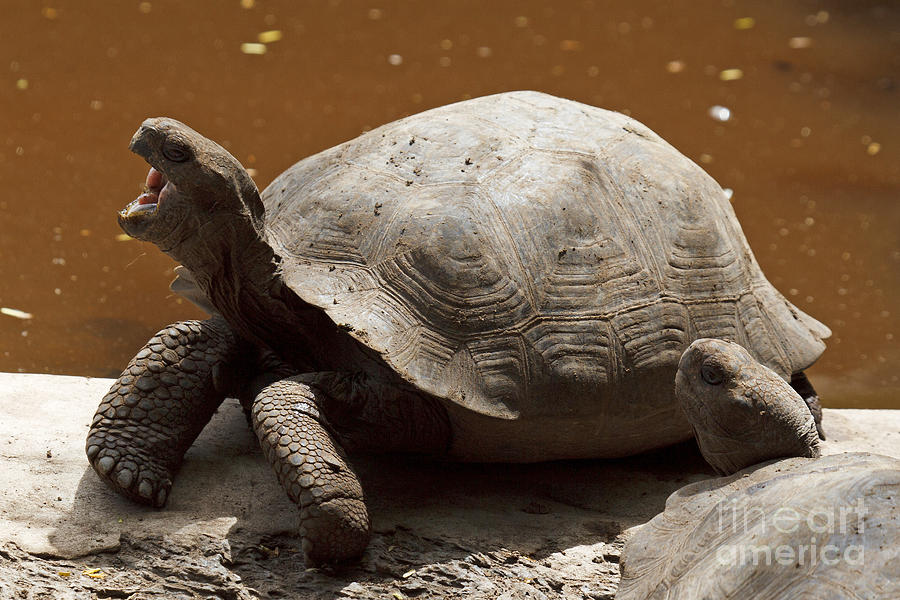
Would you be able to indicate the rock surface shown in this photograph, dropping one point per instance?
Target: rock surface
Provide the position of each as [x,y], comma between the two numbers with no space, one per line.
[551,530]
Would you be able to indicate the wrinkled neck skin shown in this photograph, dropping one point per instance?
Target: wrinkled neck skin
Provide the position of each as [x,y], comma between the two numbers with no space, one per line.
[239,272]
[209,249]
[237,268]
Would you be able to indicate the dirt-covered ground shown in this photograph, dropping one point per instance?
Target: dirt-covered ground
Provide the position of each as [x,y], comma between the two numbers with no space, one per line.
[552,530]
[399,564]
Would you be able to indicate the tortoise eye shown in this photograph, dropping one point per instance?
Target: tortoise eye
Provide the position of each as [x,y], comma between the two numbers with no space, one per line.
[175,152]
[712,373]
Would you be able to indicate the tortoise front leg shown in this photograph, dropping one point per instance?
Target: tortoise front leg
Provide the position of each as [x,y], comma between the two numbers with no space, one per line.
[299,421]
[311,467]
[158,406]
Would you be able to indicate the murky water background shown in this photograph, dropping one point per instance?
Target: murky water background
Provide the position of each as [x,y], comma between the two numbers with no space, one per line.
[794,106]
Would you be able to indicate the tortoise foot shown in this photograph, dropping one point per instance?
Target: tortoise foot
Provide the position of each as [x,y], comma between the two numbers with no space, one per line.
[157,407]
[129,470]
[334,530]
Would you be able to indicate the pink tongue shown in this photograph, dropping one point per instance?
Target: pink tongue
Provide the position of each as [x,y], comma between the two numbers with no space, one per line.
[148,198]
[154,179]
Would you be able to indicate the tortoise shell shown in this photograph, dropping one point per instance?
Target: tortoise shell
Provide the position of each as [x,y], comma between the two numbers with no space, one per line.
[793,528]
[521,255]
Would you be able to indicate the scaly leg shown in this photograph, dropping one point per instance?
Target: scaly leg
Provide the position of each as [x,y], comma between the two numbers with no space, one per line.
[304,447]
[312,469]
[159,404]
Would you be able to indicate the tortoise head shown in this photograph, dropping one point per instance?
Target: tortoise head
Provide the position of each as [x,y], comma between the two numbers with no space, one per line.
[742,412]
[193,186]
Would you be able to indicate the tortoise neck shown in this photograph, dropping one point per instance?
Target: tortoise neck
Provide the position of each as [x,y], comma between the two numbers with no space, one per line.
[246,286]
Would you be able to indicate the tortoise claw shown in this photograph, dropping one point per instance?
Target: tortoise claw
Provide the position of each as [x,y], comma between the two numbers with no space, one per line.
[132,474]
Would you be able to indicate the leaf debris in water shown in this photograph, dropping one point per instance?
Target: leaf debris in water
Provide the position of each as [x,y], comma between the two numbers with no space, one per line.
[719,113]
[250,48]
[18,314]
[675,66]
[267,37]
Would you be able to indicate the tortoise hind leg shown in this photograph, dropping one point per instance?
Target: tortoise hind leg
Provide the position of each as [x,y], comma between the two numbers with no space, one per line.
[157,407]
[802,386]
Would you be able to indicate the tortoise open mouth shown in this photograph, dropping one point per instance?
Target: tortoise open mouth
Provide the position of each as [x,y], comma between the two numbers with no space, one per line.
[156,188]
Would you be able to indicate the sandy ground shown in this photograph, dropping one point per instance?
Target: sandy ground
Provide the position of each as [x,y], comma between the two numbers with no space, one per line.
[552,530]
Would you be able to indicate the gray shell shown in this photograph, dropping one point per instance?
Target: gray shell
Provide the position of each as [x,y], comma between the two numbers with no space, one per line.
[713,538]
[522,255]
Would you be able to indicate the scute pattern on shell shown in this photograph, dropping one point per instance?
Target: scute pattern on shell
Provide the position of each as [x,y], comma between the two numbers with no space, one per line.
[711,540]
[503,248]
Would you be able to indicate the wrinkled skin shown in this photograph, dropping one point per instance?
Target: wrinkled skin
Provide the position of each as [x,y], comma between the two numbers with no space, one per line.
[742,413]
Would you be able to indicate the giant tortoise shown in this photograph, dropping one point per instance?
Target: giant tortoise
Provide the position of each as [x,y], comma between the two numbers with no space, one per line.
[795,528]
[509,278]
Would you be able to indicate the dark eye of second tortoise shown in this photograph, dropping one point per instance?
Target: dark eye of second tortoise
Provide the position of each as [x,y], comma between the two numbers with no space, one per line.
[712,373]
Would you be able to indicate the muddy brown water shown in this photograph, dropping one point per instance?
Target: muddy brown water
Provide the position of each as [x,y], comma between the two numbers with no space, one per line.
[795,106]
